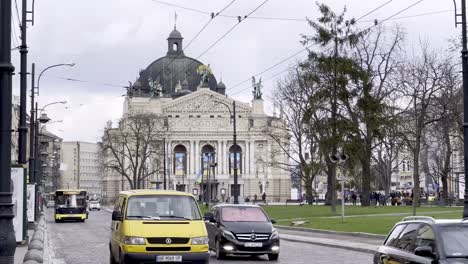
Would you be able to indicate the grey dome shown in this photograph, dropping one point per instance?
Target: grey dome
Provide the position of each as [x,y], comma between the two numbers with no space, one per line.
[221,85]
[170,70]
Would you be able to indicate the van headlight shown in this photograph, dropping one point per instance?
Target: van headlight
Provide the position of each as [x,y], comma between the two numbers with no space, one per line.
[134,241]
[274,235]
[228,235]
[199,240]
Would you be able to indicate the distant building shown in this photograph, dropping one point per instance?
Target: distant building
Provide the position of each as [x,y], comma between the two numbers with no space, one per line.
[49,159]
[81,167]
[183,92]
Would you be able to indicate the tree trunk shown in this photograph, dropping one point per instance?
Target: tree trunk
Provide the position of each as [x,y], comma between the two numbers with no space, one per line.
[416,189]
[309,190]
[366,173]
[446,169]
[331,187]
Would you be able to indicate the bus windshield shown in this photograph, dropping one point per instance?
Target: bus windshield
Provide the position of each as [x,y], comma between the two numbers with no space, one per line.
[70,199]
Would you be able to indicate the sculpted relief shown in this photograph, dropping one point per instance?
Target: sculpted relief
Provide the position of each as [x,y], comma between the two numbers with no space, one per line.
[203,103]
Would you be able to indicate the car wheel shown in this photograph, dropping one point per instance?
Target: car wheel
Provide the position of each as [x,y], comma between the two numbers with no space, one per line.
[111,258]
[57,221]
[219,255]
[273,256]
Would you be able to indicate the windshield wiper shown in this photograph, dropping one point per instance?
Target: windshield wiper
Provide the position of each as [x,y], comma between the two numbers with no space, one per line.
[175,216]
[145,217]
[455,256]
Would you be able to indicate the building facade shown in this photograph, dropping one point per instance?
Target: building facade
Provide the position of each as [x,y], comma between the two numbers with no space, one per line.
[199,132]
[49,156]
[81,167]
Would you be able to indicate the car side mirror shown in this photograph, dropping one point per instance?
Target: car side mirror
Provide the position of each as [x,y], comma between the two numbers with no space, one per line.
[425,251]
[116,216]
[273,221]
[209,217]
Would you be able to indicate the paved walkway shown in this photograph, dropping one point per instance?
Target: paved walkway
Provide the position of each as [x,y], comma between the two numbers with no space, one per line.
[355,243]
[22,249]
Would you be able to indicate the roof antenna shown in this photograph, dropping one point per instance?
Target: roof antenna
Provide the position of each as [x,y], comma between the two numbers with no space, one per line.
[175,20]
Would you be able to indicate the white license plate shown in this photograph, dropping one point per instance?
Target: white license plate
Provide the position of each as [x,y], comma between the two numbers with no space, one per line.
[169,259]
[253,244]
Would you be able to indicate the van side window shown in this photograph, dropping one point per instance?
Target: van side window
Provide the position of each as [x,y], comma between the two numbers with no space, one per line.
[407,238]
[425,237]
[122,207]
[392,239]
[117,204]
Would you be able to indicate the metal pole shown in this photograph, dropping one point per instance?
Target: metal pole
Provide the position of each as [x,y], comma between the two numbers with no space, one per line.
[465,103]
[7,234]
[164,163]
[32,177]
[236,187]
[36,165]
[22,128]
[209,181]
[342,200]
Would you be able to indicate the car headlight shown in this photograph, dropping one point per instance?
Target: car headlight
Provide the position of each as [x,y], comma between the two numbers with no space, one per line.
[228,235]
[274,235]
[199,240]
[134,241]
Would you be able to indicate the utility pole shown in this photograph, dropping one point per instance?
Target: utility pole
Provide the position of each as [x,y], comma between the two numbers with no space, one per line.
[464,53]
[32,176]
[7,233]
[22,128]
[164,163]
[234,136]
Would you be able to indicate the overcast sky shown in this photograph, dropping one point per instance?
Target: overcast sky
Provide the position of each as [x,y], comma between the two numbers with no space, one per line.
[111,40]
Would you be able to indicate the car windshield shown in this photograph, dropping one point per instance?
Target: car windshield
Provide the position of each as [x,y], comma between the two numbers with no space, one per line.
[243,214]
[455,240]
[157,207]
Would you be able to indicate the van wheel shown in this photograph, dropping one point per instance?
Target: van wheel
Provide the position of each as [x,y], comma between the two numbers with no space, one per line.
[219,255]
[273,256]
[111,258]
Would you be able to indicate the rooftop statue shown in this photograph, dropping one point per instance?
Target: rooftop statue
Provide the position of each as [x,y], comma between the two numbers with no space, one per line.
[257,88]
[155,88]
[204,72]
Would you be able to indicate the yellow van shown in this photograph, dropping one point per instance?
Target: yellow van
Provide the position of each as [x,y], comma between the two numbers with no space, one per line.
[151,226]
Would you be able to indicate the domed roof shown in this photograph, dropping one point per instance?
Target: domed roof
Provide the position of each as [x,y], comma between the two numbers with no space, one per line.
[175,34]
[166,72]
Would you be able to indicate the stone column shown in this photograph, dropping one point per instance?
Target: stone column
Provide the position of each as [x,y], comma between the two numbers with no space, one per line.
[196,157]
[252,156]
[226,158]
[247,157]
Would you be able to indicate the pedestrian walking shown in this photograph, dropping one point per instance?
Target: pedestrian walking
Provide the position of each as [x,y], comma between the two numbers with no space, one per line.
[264,198]
[255,198]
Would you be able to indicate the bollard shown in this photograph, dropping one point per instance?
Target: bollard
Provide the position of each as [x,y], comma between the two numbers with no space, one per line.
[34,255]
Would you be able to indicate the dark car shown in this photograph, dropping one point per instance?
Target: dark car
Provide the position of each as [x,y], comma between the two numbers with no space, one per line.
[241,230]
[422,239]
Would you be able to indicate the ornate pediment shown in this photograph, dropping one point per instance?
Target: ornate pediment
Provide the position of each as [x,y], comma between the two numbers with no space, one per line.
[204,101]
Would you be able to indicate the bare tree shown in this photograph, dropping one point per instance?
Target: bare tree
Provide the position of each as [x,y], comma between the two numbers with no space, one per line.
[421,82]
[292,97]
[134,147]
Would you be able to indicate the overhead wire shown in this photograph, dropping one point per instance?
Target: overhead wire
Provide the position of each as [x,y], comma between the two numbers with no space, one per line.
[196,35]
[224,35]
[15,35]
[302,50]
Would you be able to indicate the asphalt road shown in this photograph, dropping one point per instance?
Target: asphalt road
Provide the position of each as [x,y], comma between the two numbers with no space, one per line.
[87,243]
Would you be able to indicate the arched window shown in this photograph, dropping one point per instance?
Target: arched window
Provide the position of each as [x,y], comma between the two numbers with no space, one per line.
[175,47]
[208,157]
[232,158]
[180,160]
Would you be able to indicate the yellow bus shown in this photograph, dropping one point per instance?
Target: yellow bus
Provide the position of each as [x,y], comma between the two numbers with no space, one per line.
[71,204]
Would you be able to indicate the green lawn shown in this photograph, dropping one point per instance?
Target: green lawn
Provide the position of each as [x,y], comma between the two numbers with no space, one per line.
[366,219]
[280,212]
[370,224]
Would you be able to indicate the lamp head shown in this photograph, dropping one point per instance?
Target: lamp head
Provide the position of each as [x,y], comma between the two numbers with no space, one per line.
[43,118]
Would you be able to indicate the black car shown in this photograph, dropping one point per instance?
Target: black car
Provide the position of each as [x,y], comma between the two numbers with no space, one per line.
[241,230]
[422,239]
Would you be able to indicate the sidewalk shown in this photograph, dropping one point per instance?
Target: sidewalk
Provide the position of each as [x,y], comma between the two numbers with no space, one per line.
[22,249]
[367,243]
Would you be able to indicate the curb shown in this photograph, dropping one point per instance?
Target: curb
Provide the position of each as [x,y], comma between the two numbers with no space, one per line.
[363,250]
[322,231]
[35,253]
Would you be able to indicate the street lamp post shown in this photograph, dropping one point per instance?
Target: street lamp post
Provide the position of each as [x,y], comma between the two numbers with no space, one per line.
[7,233]
[234,138]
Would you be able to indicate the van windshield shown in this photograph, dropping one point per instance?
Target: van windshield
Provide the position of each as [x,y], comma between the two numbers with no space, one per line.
[158,207]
